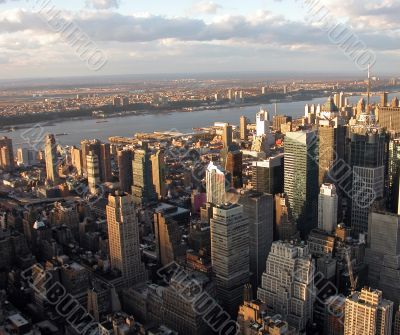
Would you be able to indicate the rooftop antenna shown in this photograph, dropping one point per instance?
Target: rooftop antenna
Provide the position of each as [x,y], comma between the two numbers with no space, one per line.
[276,108]
[369,85]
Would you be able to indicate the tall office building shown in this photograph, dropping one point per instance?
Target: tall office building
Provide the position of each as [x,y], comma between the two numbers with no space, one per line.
[384,99]
[124,161]
[102,151]
[215,184]
[278,120]
[288,283]
[158,170]
[382,254]
[267,175]
[143,188]
[368,150]
[396,328]
[230,254]
[334,308]
[6,154]
[300,178]
[244,133]
[367,313]
[227,135]
[331,150]
[123,238]
[105,162]
[262,123]
[233,163]
[389,116]
[50,152]
[327,208]
[285,226]
[259,208]
[76,160]
[394,175]
[93,174]
[168,238]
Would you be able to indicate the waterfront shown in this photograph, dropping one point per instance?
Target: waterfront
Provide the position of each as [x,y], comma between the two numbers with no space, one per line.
[73,131]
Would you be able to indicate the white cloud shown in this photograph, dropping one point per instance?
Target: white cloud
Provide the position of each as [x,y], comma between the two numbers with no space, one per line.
[205,7]
[103,4]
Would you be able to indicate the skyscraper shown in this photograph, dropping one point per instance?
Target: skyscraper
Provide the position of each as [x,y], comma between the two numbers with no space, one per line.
[230,254]
[158,166]
[102,151]
[233,159]
[285,226]
[124,161]
[227,135]
[331,149]
[76,160]
[367,313]
[262,123]
[93,175]
[300,178]
[288,283]
[105,162]
[394,175]
[143,187]
[368,150]
[6,154]
[50,152]
[259,208]
[215,184]
[267,175]
[327,208]
[243,128]
[123,238]
[168,238]
[382,254]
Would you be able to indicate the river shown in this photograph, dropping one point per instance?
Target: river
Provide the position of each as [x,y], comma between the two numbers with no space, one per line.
[76,130]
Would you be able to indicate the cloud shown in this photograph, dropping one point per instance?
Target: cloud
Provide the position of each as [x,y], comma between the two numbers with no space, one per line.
[205,7]
[102,4]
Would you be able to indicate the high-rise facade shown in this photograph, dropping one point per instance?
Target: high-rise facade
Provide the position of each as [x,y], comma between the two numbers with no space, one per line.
[76,160]
[6,154]
[230,254]
[267,175]
[105,162]
[278,120]
[102,151]
[215,184]
[158,170]
[288,283]
[382,254]
[50,152]
[394,175]
[243,128]
[327,208]
[233,158]
[227,135]
[300,178]
[123,238]
[124,161]
[331,150]
[368,150]
[396,328]
[168,238]
[285,227]
[262,123]
[367,313]
[93,174]
[143,187]
[259,208]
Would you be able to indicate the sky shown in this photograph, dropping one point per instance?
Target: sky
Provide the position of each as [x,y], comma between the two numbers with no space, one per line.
[199,36]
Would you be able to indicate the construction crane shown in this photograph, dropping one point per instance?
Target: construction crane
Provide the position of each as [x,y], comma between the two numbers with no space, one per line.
[353,281]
